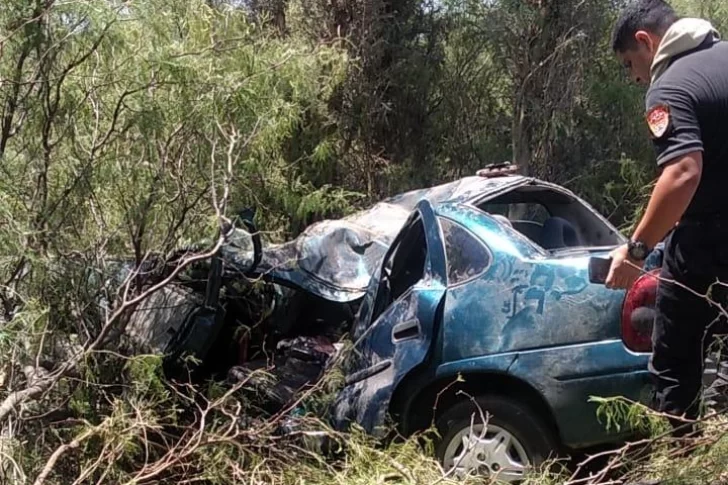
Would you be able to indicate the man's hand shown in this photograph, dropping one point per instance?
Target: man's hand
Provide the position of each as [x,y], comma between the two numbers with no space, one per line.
[624,271]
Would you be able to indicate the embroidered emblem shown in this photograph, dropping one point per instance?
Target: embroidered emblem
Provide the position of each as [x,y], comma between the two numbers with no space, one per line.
[658,120]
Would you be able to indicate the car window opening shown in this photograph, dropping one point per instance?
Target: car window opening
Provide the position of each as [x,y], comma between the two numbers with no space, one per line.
[550,219]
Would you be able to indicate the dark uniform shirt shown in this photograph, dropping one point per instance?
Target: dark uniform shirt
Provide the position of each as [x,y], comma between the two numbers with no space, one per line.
[687,109]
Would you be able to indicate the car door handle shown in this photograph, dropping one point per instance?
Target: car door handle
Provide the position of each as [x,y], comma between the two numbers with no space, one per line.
[406,330]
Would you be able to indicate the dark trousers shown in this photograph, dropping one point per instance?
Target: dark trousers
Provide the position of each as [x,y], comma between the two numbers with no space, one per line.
[696,256]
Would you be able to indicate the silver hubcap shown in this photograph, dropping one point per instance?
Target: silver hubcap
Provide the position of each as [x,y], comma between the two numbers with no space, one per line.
[495,453]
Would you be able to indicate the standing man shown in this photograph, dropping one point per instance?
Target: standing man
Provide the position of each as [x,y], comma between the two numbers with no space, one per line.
[685,65]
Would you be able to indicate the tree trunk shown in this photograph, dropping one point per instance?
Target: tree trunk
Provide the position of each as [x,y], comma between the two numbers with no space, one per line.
[521,139]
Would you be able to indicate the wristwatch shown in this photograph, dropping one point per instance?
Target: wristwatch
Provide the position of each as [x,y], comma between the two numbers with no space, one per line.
[637,250]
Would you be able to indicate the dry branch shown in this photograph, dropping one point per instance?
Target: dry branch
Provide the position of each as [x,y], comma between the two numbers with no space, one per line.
[56,455]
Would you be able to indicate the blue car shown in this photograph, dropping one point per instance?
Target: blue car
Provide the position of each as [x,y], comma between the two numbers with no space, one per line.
[482,303]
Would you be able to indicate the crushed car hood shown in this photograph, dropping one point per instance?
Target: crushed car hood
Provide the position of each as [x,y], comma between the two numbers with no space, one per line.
[335,259]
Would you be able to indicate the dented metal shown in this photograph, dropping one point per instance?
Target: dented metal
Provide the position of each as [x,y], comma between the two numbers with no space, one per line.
[335,259]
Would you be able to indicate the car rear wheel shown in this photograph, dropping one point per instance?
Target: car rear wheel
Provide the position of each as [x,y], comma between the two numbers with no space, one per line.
[515,439]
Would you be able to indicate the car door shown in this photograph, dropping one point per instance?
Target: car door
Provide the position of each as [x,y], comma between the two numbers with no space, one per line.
[402,318]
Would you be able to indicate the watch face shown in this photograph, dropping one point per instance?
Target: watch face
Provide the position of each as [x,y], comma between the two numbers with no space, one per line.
[637,251]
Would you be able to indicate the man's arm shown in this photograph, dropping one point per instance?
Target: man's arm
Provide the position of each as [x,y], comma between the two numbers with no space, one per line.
[670,198]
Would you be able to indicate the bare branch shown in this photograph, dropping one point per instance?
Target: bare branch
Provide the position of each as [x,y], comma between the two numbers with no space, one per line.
[56,455]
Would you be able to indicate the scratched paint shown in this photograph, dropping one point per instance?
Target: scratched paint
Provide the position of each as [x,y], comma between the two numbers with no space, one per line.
[366,401]
[569,376]
[525,300]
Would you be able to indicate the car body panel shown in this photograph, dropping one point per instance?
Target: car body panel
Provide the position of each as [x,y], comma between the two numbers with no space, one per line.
[525,300]
[567,377]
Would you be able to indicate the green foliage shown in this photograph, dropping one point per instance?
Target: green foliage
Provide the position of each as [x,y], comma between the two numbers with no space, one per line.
[125,126]
[145,375]
[619,414]
[133,127]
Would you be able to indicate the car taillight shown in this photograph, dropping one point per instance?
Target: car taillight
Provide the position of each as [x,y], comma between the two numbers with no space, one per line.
[638,313]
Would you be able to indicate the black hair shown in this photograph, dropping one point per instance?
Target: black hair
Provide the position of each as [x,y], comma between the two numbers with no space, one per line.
[654,16]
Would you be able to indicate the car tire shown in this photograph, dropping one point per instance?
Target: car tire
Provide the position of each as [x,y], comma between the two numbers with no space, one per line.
[530,441]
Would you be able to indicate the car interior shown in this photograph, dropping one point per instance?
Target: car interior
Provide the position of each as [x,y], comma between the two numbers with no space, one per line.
[404,267]
[551,219]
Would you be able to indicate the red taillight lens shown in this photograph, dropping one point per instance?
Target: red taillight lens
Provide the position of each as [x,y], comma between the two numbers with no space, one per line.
[638,313]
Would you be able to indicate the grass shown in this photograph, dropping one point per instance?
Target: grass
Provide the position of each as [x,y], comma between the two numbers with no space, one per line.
[146,431]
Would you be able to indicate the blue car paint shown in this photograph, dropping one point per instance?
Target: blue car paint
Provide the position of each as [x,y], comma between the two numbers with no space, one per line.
[530,315]
[525,300]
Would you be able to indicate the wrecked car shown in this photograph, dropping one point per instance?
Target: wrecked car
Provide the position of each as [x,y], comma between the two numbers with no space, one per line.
[490,287]
[465,297]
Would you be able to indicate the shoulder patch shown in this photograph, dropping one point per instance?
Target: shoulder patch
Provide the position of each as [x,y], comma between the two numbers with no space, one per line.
[658,120]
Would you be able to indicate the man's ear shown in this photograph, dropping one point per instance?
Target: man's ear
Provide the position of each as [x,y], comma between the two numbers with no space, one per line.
[645,38]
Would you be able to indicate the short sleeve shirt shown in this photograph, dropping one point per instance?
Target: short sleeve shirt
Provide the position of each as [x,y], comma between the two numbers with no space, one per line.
[673,122]
[687,111]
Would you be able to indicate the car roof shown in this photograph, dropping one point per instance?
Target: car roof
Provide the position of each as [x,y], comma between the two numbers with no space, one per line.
[462,190]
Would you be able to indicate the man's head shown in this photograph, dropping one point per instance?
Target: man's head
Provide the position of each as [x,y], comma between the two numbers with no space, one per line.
[637,35]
